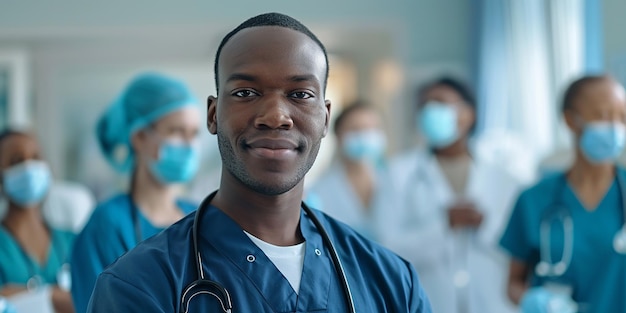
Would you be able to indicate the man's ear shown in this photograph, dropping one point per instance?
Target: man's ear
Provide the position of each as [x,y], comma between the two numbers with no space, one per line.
[211,117]
[327,121]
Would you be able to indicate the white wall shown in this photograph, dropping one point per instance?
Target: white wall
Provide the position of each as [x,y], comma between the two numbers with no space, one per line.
[614,39]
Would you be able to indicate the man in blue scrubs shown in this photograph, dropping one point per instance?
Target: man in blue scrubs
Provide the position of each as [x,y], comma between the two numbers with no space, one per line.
[254,239]
[574,216]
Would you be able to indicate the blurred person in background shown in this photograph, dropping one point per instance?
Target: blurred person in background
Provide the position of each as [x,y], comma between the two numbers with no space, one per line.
[451,206]
[566,234]
[33,255]
[150,130]
[67,205]
[351,189]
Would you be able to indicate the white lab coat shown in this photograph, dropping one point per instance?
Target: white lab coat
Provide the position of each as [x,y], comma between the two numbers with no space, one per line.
[441,255]
[334,195]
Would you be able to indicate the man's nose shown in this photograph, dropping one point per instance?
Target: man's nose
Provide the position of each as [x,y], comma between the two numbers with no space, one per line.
[274,113]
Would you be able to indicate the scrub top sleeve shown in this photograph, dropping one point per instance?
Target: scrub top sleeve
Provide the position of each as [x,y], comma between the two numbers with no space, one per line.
[67,242]
[418,300]
[94,249]
[515,238]
[113,294]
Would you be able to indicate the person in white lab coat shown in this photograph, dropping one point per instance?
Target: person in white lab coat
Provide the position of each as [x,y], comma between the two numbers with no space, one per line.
[350,190]
[451,207]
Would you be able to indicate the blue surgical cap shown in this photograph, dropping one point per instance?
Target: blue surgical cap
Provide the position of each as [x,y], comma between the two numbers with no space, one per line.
[148,98]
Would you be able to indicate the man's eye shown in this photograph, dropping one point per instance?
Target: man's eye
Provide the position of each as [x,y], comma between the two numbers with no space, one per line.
[301,95]
[244,93]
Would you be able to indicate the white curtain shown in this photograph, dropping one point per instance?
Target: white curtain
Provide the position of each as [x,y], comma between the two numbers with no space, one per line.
[528,51]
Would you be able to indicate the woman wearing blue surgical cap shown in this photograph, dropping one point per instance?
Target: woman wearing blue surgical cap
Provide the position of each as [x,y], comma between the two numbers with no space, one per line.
[452,204]
[33,255]
[567,235]
[351,189]
[150,130]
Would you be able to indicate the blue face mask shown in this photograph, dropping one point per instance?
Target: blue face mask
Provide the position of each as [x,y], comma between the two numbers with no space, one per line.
[603,142]
[438,123]
[27,183]
[367,145]
[177,162]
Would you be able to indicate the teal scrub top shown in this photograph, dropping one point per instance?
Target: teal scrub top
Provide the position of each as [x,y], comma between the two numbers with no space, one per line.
[109,233]
[597,274]
[17,267]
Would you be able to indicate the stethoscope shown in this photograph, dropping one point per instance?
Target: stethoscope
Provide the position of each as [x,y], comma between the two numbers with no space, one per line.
[204,286]
[546,266]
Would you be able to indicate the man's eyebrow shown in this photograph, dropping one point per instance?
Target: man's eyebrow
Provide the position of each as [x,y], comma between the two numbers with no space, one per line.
[252,78]
[301,78]
[240,76]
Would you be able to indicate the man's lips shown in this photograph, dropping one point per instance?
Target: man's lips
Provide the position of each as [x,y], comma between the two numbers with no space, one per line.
[274,144]
[273,148]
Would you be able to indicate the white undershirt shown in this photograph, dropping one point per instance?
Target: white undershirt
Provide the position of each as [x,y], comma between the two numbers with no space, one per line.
[289,260]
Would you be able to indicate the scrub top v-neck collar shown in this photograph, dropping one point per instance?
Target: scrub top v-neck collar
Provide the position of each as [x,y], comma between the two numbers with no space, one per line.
[227,237]
[578,203]
[35,267]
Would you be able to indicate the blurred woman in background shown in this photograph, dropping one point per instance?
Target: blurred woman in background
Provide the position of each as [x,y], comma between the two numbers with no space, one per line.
[33,255]
[152,131]
[451,206]
[567,235]
[352,190]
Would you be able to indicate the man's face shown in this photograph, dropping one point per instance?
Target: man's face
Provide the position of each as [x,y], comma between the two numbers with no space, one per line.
[270,114]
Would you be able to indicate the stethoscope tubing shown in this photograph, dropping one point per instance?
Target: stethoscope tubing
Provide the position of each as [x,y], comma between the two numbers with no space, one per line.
[224,296]
[546,267]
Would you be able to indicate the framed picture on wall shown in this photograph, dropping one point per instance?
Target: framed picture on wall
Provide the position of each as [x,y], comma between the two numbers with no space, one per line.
[14,106]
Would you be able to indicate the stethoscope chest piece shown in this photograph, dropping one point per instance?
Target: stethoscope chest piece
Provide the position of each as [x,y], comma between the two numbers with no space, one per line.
[619,241]
[544,268]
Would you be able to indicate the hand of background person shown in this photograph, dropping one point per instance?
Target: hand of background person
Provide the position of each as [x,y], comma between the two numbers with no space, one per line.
[464,215]
[540,300]
[61,300]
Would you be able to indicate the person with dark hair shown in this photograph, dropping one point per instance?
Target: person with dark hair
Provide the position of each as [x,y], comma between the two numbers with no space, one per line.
[252,245]
[566,235]
[352,189]
[150,132]
[33,255]
[451,205]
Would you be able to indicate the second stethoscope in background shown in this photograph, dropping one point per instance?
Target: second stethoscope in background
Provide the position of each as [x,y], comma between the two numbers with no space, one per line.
[562,215]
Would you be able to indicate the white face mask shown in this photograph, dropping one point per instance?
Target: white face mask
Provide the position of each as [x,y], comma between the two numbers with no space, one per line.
[603,142]
[438,123]
[364,145]
[27,183]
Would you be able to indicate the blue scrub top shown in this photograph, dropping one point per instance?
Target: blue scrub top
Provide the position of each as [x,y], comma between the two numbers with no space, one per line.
[109,233]
[597,274]
[151,278]
[17,267]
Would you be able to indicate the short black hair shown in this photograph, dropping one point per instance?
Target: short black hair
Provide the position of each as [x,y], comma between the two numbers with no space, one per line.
[576,87]
[347,111]
[269,19]
[453,83]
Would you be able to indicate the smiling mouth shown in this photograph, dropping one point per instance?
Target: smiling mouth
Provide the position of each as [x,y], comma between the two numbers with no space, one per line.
[278,149]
